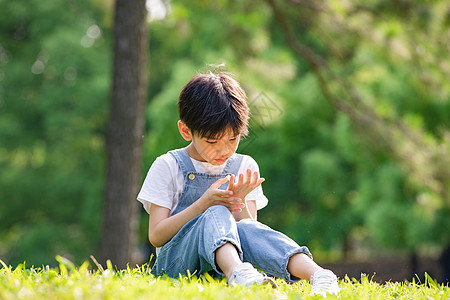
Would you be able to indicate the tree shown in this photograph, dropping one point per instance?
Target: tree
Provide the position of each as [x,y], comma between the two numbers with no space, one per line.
[125,132]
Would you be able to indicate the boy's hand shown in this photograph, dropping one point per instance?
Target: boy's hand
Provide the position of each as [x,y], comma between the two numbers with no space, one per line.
[215,196]
[245,184]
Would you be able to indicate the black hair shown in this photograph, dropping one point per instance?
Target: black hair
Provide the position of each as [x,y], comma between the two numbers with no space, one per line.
[210,103]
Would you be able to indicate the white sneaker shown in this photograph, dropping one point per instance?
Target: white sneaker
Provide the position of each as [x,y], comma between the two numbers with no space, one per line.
[323,282]
[245,274]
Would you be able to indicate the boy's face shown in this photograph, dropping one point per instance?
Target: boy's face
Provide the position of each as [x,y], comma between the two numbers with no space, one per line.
[215,151]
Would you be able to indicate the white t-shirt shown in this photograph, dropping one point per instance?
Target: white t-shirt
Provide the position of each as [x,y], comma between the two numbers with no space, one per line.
[165,181]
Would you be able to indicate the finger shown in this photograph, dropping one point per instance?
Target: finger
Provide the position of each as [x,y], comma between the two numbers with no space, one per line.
[230,200]
[231,184]
[219,182]
[241,179]
[255,178]
[223,193]
[260,180]
[248,177]
[227,201]
[231,205]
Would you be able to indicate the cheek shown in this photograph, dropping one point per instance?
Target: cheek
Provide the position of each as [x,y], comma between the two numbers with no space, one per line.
[234,145]
[208,150]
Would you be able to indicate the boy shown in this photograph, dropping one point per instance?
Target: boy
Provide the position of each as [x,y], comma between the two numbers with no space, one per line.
[202,217]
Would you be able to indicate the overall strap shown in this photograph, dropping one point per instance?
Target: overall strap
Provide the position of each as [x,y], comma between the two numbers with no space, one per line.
[183,160]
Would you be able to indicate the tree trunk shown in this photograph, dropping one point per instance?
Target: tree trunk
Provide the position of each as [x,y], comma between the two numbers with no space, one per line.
[124,133]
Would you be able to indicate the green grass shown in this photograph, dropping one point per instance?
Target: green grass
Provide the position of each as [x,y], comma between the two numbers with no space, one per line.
[71,282]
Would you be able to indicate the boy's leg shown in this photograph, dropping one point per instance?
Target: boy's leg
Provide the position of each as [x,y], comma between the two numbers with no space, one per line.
[194,247]
[302,266]
[237,272]
[278,255]
[271,251]
[227,258]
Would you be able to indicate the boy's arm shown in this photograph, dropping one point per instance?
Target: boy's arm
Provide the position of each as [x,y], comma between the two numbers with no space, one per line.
[163,227]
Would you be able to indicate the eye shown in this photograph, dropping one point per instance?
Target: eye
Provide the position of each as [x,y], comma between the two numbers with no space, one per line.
[211,142]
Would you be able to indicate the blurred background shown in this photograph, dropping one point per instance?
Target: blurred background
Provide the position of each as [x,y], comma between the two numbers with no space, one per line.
[350,124]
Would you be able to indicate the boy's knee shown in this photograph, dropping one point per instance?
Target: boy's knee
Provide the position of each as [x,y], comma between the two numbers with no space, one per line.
[218,212]
[220,209]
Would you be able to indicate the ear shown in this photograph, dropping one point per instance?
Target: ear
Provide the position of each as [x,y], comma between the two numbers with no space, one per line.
[184,131]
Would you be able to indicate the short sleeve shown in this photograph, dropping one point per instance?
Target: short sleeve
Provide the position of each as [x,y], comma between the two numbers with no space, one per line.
[257,194]
[158,187]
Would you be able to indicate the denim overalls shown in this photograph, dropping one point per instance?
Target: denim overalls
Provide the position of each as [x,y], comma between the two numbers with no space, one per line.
[193,247]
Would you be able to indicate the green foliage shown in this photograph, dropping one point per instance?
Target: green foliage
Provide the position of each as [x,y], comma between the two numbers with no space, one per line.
[70,281]
[54,83]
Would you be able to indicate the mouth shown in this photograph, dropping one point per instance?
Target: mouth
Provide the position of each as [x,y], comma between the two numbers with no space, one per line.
[221,160]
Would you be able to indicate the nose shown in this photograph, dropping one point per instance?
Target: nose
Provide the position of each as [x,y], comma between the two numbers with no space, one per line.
[224,148]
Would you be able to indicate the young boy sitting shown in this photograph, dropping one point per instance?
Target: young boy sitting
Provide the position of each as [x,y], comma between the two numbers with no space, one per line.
[203,199]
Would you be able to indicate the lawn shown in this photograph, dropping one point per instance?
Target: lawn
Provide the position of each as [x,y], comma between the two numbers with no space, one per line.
[72,282]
